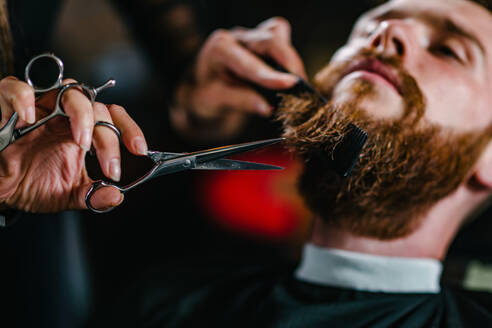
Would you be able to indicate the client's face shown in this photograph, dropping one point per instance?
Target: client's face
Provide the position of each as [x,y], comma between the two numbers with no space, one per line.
[414,75]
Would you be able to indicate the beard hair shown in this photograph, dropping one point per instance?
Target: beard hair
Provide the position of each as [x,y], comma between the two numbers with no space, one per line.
[405,167]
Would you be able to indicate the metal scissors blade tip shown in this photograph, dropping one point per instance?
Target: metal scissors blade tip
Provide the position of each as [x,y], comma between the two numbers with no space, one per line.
[220,152]
[229,164]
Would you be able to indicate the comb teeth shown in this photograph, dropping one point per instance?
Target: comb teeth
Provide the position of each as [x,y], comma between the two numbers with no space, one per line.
[347,153]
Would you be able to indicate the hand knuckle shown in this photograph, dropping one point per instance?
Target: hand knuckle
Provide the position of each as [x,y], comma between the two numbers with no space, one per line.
[69,80]
[118,108]
[220,36]
[70,95]
[280,22]
[278,25]
[24,92]
[68,101]
[99,108]
[6,80]
[239,29]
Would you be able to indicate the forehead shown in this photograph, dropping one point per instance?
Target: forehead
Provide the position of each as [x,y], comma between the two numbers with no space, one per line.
[471,17]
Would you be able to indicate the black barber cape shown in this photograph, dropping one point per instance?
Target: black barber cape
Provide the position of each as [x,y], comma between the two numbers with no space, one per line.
[229,294]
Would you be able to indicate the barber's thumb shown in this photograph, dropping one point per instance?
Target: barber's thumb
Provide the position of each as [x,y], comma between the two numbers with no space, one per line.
[105,198]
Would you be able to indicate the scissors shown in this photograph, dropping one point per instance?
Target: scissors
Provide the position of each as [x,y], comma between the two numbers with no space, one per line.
[9,134]
[165,163]
[168,163]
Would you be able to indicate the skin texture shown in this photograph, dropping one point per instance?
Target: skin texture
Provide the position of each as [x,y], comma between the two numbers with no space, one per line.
[451,67]
[453,72]
[218,93]
[44,171]
[406,166]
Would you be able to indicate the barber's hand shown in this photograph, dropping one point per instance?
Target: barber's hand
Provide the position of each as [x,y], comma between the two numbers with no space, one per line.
[219,97]
[44,171]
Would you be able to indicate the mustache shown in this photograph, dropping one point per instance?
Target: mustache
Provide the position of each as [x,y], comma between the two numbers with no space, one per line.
[404,167]
[390,67]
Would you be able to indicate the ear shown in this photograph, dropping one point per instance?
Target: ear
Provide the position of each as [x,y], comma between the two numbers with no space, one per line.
[483,169]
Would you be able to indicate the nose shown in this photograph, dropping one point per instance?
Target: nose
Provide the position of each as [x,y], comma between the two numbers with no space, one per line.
[392,38]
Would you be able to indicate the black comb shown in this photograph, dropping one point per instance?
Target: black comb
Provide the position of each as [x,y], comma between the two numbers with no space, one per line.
[348,150]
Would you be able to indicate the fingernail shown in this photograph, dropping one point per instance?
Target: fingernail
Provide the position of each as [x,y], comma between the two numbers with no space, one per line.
[140,146]
[263,108]
[290,78]
[85,139]
[122,197]
[115,169]
[267,74]
[30,115]
[273,75]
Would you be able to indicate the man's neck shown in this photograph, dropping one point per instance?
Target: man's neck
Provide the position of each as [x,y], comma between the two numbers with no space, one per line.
[430,240]
[330,237]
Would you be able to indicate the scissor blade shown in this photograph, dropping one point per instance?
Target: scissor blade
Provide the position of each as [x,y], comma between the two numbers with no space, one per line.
[220,152]
[7,132]
[229,164]
[214,153]
[163,156]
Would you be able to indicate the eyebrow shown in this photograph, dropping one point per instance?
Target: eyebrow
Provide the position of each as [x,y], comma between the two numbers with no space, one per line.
[449,25]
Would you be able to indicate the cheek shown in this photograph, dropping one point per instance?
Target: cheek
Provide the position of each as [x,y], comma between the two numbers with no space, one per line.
[453,101]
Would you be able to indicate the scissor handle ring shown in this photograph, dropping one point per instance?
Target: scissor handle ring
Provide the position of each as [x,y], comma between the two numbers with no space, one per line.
[110,126]
[96,186]
[87,91]
[55,85]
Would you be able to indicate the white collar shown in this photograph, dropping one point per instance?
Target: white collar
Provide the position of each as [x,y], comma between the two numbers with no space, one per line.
[366,272]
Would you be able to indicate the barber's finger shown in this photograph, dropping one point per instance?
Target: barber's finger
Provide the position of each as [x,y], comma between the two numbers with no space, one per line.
[278,25]
[270,43]
[102,198]
[132,135]
[106,143]
[248,66]
[6,110]
[287,56]
[281,52]
[226,53]
[79,108]
[106,197]
[17,96]
[218,95]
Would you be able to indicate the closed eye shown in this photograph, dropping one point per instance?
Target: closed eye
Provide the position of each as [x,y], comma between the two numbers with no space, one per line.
[448,52]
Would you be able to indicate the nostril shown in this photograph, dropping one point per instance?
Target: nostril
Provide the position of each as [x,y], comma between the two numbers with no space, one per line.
[399,46]
[377,41]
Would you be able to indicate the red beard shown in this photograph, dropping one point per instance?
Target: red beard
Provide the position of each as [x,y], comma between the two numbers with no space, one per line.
[406,166]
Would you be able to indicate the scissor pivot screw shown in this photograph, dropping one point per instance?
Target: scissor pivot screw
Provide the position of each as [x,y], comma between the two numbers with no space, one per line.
[187,163]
